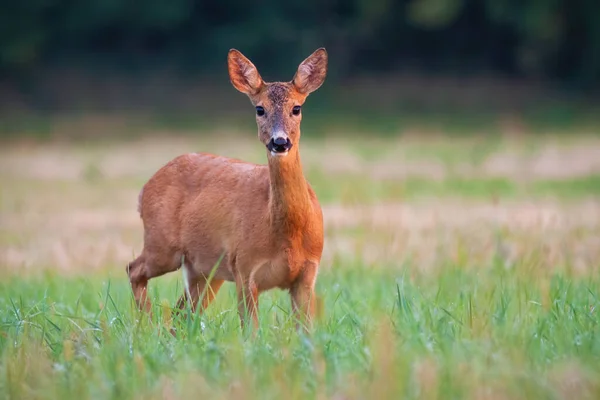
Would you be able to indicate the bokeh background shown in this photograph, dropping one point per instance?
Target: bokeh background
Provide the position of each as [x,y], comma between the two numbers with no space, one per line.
[397,59]
[431,108]
[426,102]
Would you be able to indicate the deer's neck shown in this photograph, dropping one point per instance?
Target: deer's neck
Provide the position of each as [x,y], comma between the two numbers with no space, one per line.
[290,204]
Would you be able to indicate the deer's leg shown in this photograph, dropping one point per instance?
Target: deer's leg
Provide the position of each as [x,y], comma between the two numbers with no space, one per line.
[139,282]
[200,287]
[247,301]
[146,267]
[303,296]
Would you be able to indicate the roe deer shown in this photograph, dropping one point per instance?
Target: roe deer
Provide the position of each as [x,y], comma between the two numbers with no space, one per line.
[263,222]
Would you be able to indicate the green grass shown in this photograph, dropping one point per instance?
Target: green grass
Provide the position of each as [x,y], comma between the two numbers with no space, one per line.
[385,333]
[575,187]
[356,188]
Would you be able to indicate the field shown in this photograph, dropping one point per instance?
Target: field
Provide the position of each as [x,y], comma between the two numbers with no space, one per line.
[454,267]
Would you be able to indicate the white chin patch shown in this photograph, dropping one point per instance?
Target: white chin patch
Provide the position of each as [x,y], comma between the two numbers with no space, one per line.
[275,154]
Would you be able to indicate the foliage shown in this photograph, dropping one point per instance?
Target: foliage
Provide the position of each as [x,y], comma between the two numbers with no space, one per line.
[548,38]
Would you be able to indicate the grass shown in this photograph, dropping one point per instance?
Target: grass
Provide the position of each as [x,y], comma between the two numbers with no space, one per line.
[353,189]
[452,334]
[463,268]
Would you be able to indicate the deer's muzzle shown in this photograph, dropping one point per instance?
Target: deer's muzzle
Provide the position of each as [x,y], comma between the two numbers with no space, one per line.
[279,145]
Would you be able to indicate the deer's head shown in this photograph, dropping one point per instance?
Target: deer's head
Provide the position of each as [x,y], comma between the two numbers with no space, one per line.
[278,104]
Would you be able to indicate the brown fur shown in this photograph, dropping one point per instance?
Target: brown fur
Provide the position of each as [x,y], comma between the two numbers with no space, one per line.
[263,220]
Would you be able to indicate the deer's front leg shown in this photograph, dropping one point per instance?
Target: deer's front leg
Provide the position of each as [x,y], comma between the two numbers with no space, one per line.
[247,302]
[303,295]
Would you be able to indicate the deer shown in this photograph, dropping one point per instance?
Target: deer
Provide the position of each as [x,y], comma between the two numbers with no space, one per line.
[227,220]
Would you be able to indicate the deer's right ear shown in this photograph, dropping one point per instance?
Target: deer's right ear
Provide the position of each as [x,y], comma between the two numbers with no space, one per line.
[311,73]
[243,74]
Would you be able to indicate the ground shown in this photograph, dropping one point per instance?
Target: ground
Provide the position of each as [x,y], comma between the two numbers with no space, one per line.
[454,267]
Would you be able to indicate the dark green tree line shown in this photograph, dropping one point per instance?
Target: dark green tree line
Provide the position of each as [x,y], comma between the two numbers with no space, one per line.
[558,39]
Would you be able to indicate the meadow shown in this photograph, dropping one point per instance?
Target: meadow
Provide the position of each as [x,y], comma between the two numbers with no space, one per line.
[458,266]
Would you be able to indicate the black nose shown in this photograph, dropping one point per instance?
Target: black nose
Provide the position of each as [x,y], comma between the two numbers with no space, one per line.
[280,141]
[279,145]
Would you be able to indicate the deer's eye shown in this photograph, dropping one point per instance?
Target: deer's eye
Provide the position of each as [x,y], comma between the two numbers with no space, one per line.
[296,110]
[260,111]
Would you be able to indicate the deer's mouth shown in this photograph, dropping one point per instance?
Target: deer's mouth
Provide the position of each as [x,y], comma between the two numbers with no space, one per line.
[279,153]
[279,146]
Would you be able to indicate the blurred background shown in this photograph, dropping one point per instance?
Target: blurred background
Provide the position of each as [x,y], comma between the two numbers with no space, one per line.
[397,60]
[441,122]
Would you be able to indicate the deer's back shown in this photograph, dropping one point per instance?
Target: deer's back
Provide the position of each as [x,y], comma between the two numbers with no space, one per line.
[201,184]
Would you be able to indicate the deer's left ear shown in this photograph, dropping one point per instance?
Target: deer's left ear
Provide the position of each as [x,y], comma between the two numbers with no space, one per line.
[311,72]
[243,74]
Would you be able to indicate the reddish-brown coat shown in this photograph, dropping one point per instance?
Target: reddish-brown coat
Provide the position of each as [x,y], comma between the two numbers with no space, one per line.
[263,222]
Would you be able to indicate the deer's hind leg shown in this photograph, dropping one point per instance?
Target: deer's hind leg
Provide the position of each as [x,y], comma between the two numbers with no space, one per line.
[199,286]
[150,264]
[247,293]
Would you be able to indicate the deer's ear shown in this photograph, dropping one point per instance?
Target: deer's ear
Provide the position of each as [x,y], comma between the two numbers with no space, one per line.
[243,74]
[311,72]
